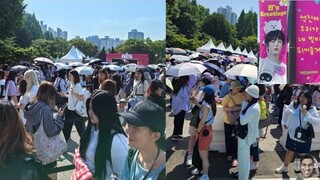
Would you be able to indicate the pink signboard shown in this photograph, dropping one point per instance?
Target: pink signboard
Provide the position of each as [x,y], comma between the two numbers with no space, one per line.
[273,40]
[307,42]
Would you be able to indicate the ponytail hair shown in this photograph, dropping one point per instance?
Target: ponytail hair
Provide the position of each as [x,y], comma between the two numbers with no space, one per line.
[210,99]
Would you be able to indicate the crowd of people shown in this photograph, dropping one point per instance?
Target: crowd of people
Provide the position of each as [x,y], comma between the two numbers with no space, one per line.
[246,110]
[112,146]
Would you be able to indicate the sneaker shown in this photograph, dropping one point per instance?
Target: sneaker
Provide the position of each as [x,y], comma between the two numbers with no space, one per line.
[282,169]
[189,160]
[177,138]
[204,177]
[253,166]
[234,163]
[195,172]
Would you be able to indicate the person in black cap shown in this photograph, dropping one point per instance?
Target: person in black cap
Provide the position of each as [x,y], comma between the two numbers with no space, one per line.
[145,129]
[155,93]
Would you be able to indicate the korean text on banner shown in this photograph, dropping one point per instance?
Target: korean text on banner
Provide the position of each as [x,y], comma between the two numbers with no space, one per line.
[307,42]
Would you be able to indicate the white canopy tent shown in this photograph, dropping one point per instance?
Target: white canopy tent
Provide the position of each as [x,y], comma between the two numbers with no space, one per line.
[252,57]
[238,51]
[230,48]
[245,52]
[221,47]
[74,55]
[206,48]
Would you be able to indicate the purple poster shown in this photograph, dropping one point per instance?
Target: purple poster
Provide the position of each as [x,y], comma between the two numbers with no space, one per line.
[307,42]
[273,36]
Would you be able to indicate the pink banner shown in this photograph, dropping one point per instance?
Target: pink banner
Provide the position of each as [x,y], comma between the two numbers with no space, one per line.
[273,40]
[307,42]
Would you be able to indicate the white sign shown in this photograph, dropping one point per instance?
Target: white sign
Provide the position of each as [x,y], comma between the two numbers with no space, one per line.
[126,56]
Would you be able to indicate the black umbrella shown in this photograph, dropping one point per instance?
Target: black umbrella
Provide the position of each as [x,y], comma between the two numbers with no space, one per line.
[95,61]
[148,70]
[101,55]
[227,53]
[19,68]
[25,63]
[212,67]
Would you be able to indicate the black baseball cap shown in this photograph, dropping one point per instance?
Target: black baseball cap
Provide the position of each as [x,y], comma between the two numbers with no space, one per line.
[146,114]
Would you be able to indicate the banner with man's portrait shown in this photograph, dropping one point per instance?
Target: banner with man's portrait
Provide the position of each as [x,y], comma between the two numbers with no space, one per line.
[273,42]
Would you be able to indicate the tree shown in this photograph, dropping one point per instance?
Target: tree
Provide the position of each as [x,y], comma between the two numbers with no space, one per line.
[217,26]
[29,30]
[23,37]
[250,43]
[133,46]
[31,22]
[40,48]
[58,48]
[48,35]
[182,13]
[247,24]
[86,47]
[136,46]
[11,15]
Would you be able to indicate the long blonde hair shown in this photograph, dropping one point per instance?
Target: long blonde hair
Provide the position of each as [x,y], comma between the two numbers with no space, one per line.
[31,77]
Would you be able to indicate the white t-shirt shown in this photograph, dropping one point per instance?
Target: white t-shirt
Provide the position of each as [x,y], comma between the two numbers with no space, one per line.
[271,72]
[26,98]
[72,100]
[140,88]
[2,83]
[119,154]
[33,93]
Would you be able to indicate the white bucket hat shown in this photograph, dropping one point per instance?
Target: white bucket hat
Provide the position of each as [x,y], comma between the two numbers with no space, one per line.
[253,91]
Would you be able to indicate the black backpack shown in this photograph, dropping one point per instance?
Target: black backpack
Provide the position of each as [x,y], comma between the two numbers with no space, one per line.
[132,152]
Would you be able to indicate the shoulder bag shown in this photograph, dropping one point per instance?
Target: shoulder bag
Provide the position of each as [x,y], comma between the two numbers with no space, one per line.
[48,149]
[241,130]
[60,100]
[304,134]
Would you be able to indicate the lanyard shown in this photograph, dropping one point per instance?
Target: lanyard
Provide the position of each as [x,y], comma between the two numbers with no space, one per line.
[134,170]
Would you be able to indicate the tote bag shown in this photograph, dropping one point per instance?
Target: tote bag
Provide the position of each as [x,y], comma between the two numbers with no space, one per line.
[48,149]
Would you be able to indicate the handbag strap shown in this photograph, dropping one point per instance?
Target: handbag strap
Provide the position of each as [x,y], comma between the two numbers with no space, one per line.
[136,90]
[41,122]
[300,118]
[209,119]
[232,100]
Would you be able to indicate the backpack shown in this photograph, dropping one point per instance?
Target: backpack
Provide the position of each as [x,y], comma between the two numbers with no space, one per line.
[60,100]
[132,152]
